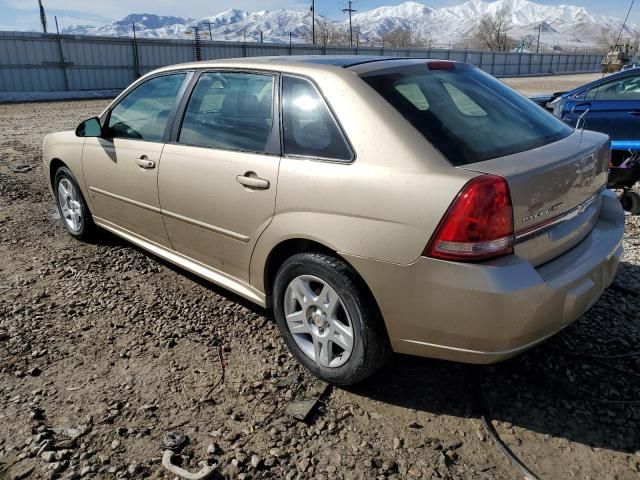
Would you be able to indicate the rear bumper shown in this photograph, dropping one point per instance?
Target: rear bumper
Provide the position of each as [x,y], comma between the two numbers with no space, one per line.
[484,313]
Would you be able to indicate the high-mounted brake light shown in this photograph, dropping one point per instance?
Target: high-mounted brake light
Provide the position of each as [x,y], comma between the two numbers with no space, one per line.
[478,225]
[442,65]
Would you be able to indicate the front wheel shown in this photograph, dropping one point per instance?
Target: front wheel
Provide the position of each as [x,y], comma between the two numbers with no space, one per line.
[328,319]
[71,205]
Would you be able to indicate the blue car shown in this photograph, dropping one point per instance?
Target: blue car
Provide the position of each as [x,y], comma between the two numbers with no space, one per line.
[610,105]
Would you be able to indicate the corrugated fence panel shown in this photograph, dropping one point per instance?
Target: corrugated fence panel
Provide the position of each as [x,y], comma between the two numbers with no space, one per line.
[31,62]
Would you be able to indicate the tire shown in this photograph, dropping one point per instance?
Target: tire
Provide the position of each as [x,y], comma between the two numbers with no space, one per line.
[630,202]
[316,326]
[634,203]
[72,206]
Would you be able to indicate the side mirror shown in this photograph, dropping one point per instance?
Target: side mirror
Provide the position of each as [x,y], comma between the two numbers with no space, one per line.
[89,128]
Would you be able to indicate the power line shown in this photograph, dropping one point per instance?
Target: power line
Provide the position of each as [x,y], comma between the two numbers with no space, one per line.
[350,10]
[624,24]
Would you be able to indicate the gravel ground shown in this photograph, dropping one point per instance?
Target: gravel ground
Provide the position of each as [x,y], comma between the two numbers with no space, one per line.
[550,84]
[104,349]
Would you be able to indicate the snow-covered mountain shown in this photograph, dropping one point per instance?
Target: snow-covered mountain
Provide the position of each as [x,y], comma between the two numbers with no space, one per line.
[566,25]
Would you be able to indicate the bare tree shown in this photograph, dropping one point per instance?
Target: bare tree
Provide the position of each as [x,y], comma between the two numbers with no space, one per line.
[328,33]
[398,38]
[492,30]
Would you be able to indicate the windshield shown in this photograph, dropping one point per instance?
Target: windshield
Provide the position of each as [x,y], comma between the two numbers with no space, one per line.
[468,115]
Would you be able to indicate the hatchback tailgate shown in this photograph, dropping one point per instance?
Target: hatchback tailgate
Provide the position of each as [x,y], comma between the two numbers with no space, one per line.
[554,190]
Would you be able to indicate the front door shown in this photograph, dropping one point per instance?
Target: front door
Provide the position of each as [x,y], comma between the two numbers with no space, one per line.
[121,168]
[218,178]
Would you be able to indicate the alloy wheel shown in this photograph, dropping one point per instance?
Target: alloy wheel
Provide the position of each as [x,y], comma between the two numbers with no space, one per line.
[70,206]
[318,321]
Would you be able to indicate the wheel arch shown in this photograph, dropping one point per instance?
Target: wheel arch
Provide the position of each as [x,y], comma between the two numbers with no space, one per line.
[292,246]
[54,166]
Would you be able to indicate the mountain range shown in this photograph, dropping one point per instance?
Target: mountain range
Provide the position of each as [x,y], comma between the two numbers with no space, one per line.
[567,26]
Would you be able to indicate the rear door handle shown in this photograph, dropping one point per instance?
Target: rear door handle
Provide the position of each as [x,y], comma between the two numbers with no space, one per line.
[251,180]
[635,113]
[145,163]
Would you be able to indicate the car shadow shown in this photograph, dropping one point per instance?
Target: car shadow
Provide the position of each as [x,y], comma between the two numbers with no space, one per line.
[108,239]
[582,384]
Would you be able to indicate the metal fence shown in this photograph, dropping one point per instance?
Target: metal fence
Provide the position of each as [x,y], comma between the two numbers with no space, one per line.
[36,62]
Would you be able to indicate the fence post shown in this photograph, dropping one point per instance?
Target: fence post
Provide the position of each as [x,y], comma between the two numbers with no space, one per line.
[541,62]
[62,62]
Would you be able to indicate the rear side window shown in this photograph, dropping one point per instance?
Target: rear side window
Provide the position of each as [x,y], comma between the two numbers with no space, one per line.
[468,115]
[230,111]
[309,128]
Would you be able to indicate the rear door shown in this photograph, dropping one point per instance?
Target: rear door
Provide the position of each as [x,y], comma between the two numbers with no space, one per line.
[219,173]
[614,109]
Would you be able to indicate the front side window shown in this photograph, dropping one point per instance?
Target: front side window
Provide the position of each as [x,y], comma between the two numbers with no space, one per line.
[465,113]
[627,88]
[309,128]
[230,111]
[143,114]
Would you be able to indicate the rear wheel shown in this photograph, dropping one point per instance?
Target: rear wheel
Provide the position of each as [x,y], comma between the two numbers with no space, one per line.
[328,319]
[71,205]
[630,202]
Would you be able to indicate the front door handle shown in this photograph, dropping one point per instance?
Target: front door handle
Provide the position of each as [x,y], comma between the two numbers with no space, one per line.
[251,180]
[145,163]
[635,113]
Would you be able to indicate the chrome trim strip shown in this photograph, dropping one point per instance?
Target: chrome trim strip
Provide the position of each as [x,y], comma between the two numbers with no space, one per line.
[214,276]
[135,203]
[481,352]
[206,226]
[568,215]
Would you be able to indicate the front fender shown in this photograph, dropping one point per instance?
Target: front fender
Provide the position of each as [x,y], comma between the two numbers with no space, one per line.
[67,148]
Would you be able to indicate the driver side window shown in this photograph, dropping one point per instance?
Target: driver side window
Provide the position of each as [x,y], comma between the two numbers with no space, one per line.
[143,114]
[627,88]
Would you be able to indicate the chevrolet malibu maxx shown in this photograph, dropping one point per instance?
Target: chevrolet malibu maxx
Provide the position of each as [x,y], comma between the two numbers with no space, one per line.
[377,205]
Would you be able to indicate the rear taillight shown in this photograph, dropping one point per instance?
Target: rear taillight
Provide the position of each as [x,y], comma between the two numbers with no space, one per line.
[478,225]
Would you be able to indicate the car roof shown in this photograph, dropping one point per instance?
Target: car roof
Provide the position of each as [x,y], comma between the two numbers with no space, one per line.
[282,62]
[342,61]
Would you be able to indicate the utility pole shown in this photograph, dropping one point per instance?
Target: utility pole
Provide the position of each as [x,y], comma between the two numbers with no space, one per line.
[350,10]
[538,45]
[62,63]
[210,34]
[136,58]
[313,22]
[43,17]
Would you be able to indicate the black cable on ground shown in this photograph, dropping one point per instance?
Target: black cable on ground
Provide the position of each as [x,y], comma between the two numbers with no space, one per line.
[506,451]
[486,420]
[573,353]
[615,286]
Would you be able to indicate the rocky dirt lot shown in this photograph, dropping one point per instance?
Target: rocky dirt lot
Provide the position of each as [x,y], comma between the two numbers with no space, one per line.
[104,349]
[550,84]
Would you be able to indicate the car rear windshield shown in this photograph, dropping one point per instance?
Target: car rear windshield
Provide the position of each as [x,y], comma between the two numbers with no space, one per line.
[468,115]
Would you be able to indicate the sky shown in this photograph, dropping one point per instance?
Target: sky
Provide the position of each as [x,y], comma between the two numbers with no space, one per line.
[23,14]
